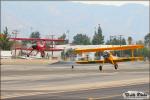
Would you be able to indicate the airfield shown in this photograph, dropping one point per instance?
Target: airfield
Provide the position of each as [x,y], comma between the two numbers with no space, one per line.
[58,81]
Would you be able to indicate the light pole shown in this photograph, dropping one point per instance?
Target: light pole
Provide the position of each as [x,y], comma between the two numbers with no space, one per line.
[0,57]
[52,42]
[15,32]
[120,37]
[64,53]
[52,37]
[68,35]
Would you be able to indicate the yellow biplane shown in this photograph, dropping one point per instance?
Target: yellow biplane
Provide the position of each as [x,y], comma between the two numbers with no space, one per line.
[108,57]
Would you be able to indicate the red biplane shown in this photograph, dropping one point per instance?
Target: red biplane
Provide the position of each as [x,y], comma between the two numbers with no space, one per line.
[39,46]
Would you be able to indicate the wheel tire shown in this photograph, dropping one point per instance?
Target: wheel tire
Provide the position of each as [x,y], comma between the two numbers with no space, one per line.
[116,66]
[72,67]
[100,68]
[42,54]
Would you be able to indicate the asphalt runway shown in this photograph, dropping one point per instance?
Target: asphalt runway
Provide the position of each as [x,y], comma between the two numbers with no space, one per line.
[60,81]
[113,93]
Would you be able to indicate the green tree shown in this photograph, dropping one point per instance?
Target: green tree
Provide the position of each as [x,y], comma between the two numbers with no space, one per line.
[5,44]
[68,54]
[116,41]
[140,42]
[63,36]
[147,39]
[98,37]
[113,41]
[123,41]
[146,50]
[35,34]
[81,39]
[129,40]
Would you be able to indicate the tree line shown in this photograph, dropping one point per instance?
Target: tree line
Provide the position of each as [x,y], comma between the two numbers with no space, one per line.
[81,39]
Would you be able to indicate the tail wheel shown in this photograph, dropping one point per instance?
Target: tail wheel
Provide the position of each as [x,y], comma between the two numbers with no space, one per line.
[100,68]
[72,67]
[42,56]
[116,66]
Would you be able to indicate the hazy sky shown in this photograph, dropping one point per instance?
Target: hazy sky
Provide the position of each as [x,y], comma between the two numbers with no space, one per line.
[56,17]
[114,3]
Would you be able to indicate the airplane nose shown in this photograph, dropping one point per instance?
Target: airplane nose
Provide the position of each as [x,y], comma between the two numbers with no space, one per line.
[106,54]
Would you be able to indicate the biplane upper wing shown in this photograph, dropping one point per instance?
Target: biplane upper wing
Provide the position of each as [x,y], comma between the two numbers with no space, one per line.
[125,47]
[37,39]
[47,49]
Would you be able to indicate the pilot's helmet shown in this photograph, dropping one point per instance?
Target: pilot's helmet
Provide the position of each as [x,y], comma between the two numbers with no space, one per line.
[106,54]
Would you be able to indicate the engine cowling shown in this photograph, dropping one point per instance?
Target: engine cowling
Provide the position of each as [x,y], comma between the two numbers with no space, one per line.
[106,54]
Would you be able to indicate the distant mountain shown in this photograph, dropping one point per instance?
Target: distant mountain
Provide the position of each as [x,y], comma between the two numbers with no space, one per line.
[58,17]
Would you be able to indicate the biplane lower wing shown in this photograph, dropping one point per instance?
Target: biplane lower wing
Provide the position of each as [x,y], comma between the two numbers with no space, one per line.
[123,59]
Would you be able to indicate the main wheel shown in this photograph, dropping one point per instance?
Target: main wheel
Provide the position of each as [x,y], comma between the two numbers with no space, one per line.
[27,55]
[116,66]
[42,54]
[100,68]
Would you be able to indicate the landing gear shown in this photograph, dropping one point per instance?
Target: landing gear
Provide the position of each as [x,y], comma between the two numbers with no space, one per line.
[28,55]
[42,54]
[100,67]
[116,66]
[72,67]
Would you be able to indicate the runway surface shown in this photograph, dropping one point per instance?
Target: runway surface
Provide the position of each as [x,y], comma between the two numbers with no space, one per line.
[83,82]
[91,94]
